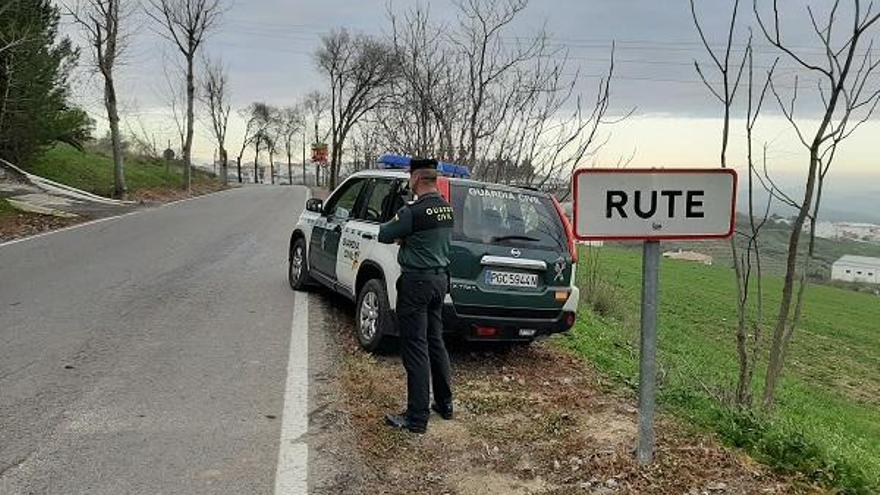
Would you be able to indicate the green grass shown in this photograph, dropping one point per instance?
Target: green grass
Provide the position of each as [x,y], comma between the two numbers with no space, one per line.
[93,171]
[827,420]
[6,209]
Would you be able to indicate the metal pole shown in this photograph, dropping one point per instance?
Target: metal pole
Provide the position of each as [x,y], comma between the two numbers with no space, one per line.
[648,351]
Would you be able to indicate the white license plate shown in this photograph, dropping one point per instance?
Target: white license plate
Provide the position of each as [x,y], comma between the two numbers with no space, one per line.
[512,279]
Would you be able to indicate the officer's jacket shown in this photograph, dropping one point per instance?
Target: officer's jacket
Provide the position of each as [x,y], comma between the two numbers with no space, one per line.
[425,230]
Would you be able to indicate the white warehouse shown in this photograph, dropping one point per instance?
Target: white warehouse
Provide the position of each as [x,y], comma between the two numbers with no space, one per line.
[856,269]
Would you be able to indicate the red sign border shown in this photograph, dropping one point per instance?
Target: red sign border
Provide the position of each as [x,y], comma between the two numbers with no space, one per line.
[683,237]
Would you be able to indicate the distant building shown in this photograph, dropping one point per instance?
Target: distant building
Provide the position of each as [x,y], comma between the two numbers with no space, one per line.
[689,256]
[851,268]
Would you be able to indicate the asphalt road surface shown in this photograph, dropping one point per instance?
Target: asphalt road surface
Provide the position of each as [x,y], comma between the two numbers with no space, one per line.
[158,352]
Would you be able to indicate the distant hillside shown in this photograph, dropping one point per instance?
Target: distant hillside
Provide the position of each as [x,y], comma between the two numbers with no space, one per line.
[774,248]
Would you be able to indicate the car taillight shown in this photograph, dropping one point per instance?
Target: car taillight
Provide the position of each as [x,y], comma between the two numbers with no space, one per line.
[443,187]
[569,231]
[485,331]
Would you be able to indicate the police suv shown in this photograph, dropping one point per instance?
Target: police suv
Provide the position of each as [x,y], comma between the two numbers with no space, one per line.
[513,255]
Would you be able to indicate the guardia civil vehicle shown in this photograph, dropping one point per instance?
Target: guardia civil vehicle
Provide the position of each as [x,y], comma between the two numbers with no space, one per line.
[513,256]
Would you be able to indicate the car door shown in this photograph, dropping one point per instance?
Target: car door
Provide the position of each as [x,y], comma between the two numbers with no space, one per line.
[324,245]
[360,235]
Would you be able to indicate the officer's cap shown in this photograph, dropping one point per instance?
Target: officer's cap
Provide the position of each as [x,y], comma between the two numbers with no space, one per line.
[422,163]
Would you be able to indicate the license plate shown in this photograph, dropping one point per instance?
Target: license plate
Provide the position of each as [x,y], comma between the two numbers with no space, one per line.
[512,279]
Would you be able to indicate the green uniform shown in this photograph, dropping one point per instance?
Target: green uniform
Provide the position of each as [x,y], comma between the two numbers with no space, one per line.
[425,229]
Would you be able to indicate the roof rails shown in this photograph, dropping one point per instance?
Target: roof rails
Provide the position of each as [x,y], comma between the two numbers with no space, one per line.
[401,162]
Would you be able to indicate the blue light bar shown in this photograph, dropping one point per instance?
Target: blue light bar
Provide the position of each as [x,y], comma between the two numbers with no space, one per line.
[401,162]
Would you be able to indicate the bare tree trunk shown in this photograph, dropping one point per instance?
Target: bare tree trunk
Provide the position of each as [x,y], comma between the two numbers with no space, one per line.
[190,119]
[115,137]
[101,20]
[777,348]
[271,167]
[256,168]
[224,166]
[9,78]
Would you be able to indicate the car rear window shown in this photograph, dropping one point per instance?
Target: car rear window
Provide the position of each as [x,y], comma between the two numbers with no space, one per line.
[493,215]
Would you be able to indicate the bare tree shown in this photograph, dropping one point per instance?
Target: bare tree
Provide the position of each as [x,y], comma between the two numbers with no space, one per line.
[315,105]
[415,119]
[843,72]
[751,273]
[510,111]
[271,144]
[358,68]
[215,93]
[143,141]
[175,97]
[250,116]
[489,63]
[261,140]
[292,123]
[186,23]
[731,77]
[272,138]
[100,21]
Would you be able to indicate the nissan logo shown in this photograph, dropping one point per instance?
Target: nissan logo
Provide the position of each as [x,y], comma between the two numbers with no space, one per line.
[515,252]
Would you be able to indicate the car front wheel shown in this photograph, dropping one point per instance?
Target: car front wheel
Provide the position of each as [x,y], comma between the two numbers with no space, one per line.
[298,268]
[373,319]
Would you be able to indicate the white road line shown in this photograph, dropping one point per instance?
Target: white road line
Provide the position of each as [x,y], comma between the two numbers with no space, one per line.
[291,475]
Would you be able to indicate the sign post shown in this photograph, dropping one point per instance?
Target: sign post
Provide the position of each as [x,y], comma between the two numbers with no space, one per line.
[648,350]
[651,205]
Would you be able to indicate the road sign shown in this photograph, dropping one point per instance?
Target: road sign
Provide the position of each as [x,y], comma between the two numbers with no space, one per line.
[319,152]
[654,204]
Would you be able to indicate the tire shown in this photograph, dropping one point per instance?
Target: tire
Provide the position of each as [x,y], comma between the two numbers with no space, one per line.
[298,266]
[373,320]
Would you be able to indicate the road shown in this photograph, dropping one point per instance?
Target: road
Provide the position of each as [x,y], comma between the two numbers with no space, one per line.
[150,353]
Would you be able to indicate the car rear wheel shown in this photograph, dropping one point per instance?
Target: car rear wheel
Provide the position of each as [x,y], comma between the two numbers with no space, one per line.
[298,268]
[373,320]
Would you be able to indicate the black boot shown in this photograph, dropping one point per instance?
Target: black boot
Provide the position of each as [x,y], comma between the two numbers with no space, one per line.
[445,412]
[400,421]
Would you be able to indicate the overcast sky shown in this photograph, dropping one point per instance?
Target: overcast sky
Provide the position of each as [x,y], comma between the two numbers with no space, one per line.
[268,47]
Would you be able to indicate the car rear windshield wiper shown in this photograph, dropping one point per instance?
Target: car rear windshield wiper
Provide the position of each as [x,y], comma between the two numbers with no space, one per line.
[513,237]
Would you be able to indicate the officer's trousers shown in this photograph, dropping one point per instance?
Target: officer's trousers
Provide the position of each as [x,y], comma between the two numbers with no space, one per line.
[419,316]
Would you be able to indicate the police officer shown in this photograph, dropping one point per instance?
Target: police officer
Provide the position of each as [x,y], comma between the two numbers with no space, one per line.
[423,229]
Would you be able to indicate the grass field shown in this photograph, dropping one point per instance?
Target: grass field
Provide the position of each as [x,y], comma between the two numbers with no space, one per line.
[827,422]
[93,171]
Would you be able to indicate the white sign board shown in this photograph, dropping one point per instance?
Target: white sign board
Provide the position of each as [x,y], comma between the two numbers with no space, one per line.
[654,204]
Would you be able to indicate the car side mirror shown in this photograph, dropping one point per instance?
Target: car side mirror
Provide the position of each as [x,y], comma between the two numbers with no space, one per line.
[316,205]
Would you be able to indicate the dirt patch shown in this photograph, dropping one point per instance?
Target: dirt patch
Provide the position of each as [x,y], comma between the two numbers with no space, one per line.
[16,225]
[535,420]
[484,482]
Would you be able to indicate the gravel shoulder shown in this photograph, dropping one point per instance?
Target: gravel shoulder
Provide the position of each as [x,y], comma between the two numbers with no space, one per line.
[534,420]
